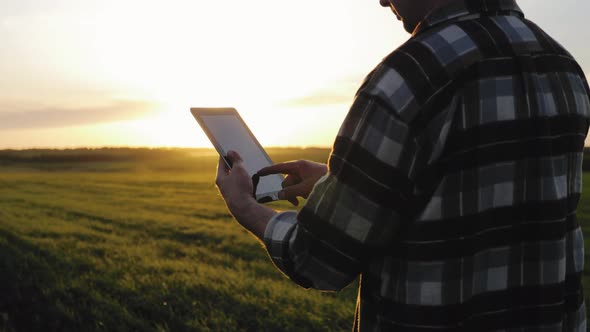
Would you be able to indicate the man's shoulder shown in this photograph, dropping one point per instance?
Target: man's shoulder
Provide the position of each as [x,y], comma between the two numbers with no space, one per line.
[410,75]
[453,47]
[431,61]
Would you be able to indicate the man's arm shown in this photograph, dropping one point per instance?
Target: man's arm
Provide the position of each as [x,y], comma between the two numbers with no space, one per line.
[355,211]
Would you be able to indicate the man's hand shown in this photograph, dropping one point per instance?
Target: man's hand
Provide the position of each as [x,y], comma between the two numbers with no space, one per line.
[235,185]
[302,175]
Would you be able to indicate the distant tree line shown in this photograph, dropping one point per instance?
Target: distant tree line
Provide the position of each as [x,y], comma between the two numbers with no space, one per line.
[86,155]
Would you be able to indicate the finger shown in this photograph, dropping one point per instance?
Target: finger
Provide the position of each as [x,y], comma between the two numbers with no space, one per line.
[222,166]
[233,157]
[292,192]
[288,195]
[290,180]
[294,201]
[222,170]
[289,167]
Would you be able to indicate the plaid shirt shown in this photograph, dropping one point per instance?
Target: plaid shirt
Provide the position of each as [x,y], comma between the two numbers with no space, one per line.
[453,183]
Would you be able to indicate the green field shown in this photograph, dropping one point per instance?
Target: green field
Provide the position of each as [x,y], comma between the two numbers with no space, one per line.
[140,240]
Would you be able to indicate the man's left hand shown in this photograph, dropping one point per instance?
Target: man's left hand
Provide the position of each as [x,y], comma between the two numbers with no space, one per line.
[235,185]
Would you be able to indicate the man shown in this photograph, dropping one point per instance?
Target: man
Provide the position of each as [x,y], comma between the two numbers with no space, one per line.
[452,185]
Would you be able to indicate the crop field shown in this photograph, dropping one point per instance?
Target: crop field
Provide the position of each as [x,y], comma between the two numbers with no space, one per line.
[140,240]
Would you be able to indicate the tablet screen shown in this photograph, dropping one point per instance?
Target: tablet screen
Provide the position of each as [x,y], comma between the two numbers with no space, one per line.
[228,132]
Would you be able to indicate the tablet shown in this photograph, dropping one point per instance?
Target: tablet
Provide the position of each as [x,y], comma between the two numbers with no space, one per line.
[228,132]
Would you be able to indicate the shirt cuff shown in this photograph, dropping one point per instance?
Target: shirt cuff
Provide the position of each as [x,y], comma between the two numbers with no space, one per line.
[276,239]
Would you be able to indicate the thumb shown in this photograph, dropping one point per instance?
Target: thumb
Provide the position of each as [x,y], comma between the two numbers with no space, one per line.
[286,195]
[233,157]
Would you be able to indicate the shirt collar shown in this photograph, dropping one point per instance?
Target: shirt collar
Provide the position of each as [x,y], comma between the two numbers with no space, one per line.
[466,9]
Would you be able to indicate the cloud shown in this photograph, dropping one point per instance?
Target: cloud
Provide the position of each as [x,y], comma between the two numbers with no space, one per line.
[56,118]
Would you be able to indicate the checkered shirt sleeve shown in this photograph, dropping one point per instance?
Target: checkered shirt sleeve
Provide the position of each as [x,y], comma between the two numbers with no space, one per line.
[357,208]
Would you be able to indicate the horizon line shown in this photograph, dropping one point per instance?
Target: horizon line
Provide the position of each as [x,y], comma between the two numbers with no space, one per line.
[104,147]
[5,148]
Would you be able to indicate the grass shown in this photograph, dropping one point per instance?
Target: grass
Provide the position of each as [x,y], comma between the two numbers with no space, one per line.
[144,242]
[120,246]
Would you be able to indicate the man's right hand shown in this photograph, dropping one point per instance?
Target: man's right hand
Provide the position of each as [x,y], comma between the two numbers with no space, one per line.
[302,175]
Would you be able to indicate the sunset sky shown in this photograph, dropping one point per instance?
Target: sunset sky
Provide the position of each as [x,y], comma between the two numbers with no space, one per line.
[125,73]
